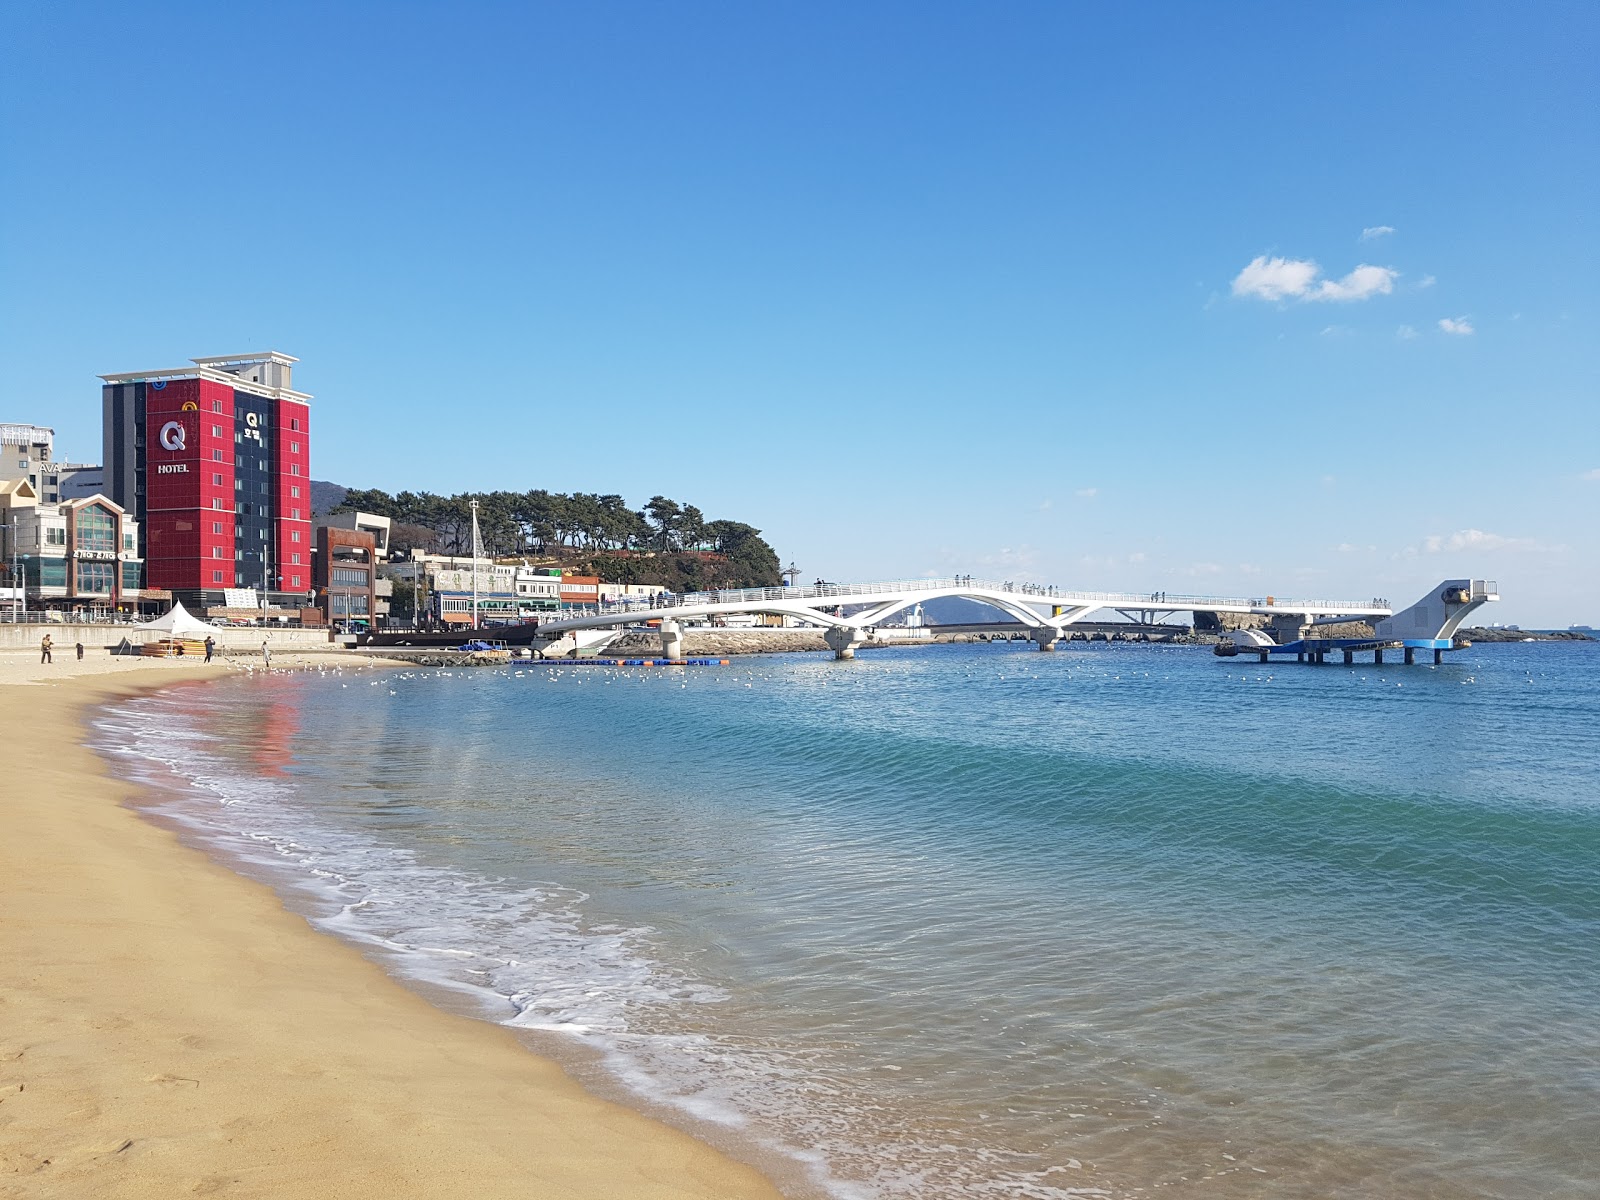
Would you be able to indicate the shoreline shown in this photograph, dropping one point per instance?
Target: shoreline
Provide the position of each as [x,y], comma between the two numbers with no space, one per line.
[168,1026]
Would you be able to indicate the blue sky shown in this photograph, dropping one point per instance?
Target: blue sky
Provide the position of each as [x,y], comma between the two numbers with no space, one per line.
[1244,298]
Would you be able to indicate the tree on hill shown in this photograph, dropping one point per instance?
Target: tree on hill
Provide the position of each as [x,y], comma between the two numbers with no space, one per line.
[544,524]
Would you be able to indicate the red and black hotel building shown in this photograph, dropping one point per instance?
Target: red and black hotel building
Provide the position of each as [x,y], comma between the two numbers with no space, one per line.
[214,461]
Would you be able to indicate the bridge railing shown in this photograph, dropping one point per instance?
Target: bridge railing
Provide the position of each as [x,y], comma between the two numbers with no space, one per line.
[1026,592]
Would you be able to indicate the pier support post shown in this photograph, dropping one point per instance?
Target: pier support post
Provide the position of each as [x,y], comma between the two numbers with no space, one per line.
[1301,657]
[1377,657]
[1349,657]
[1438,657]
[1263,656]
[1046,636]
[1411,656]
[671,639]
[843,640]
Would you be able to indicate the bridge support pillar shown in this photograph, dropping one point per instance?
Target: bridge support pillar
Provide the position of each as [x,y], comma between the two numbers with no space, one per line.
[1377,658]
[1411,656]
[843,640]
[1349,657]
[1046,636]
[1438,657]
[671,639]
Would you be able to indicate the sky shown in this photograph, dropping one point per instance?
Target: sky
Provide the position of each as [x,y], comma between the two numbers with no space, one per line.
[1233,299]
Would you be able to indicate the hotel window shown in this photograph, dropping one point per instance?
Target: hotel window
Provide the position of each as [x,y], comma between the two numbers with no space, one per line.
[127,541]
[216,431]
[294,468]
[294,491]
[294,423]
[216,407]
[294,514]
[216,552]
[294,535]
[294,581]
[294,560]
[217,504]
[216,456]
[216,479]
[294,447]
[216,577]
[216,527]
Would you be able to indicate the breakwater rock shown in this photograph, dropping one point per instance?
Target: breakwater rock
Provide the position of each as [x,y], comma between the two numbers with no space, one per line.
[722,641]
[1478,634]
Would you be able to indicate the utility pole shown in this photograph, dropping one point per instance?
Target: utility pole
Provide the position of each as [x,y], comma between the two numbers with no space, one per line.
[16,578]
[266,575]
[474,564]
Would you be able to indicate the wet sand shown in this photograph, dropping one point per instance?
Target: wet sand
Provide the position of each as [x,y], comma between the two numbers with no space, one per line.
[167,1028]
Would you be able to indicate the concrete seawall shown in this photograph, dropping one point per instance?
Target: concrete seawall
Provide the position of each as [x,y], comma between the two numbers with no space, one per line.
[93,637]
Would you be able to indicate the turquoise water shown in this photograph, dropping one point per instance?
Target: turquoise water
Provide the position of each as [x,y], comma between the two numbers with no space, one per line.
[975,921]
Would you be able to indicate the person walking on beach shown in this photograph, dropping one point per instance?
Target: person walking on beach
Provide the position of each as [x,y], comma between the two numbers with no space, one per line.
[44,650]
[210,646]
[80,651]
[266,654]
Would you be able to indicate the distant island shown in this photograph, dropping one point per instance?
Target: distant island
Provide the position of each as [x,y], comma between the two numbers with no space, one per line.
[665,543]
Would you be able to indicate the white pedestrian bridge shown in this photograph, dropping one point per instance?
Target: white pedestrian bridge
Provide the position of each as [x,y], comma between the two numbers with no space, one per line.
[849,614]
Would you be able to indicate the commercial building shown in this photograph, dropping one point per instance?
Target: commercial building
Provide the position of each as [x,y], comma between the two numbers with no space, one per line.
[445,584]
[78,555]
[346,576]
[212,461]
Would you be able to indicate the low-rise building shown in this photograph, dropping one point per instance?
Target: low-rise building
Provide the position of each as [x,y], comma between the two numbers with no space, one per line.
[78,555]
[345,571]
[446,585]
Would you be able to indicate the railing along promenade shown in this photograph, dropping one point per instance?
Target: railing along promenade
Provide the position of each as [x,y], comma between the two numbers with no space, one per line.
[1026,592]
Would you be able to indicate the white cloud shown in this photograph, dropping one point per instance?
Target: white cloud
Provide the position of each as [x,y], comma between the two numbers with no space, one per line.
[1592,476]
[1479,541]
[1337,331]
[1405,333]
[1045,507]
[1361,283]
[1298,279]
[1373,232]
[1427,281]
[1021,557]
[1087,493]
[1136,557]
[1276,278]
[1460,326]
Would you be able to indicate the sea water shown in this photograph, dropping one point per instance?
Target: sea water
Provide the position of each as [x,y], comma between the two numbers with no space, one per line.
[973,921]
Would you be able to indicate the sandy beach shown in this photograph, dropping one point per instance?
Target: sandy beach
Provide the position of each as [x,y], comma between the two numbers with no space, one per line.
[167,1028]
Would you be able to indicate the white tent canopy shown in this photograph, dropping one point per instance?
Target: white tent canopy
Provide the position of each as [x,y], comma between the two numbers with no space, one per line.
[175,622]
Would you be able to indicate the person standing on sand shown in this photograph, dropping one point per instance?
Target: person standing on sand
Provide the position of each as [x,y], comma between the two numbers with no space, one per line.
[80,651]
[210,646]
[44,650]
[266,654]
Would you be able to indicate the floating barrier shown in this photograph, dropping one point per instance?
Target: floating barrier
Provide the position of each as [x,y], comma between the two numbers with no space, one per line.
[645,662]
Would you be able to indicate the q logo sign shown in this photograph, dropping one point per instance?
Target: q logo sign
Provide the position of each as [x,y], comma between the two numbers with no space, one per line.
[172,436]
